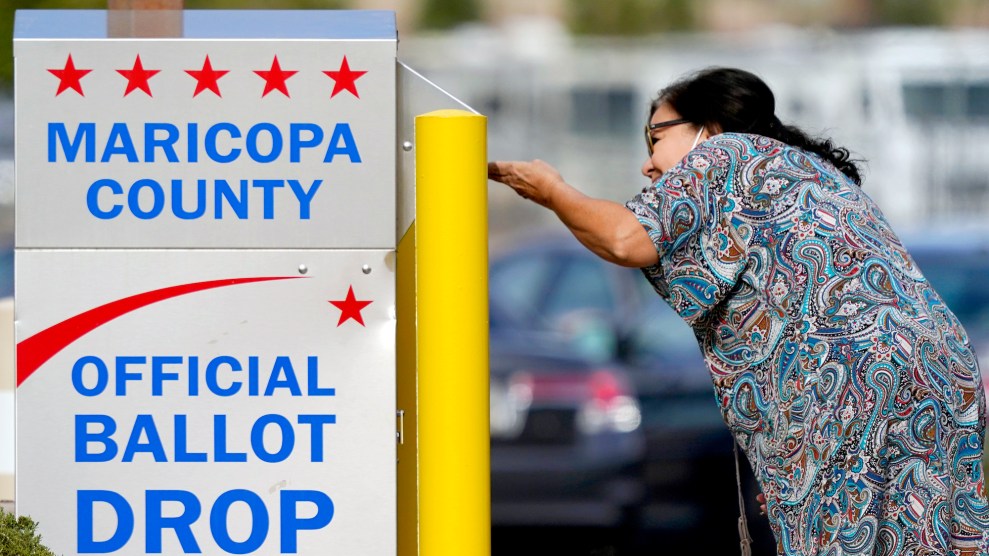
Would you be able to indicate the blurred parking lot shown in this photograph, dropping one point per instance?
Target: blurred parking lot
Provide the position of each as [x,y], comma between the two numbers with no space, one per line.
[912,102]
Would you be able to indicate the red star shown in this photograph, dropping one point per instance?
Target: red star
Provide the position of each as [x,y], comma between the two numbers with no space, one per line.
[69,76]
[137,77]
[344,78]
[207,78]
[350,308]
[275,78]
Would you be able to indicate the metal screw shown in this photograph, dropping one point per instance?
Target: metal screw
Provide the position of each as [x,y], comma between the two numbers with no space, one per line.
[407,146]
[366,269]
[303,269]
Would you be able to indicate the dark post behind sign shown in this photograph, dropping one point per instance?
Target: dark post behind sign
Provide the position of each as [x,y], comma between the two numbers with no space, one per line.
[144,18]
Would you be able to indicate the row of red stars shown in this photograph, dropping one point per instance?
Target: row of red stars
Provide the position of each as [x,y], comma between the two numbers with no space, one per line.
[207,78]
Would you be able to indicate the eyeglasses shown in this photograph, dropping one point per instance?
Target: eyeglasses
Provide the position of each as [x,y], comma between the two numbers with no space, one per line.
[650,141]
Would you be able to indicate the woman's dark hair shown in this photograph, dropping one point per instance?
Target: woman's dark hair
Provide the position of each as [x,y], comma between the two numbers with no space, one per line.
[735,100]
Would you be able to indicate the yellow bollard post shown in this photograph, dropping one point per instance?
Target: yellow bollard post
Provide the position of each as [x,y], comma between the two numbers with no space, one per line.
[452,328]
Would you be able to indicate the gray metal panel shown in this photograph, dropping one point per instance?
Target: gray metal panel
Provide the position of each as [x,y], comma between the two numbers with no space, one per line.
[220,24]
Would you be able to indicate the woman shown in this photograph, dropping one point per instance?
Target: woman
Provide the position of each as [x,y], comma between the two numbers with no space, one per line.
[849,385]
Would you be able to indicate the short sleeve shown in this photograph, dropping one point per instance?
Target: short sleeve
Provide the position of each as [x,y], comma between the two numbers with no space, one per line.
[690,217]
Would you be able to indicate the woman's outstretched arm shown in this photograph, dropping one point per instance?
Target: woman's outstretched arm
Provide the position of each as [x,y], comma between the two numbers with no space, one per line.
[608,229]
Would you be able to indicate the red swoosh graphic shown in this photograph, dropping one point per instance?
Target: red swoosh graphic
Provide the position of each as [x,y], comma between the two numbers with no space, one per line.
[33,352]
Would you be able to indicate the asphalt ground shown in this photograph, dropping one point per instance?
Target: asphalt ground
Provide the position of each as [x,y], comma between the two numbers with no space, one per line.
[589,541]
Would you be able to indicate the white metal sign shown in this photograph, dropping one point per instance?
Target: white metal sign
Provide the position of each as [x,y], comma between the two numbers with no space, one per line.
[205,141]
[214,401]
[206,284]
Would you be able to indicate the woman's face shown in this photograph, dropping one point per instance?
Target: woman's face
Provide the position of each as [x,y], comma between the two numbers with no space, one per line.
[671,143]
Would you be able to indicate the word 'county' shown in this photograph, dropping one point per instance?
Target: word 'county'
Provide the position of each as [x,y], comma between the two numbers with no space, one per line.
[223,143]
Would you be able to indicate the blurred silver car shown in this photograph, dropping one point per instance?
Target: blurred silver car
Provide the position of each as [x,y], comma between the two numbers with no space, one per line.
[566,442]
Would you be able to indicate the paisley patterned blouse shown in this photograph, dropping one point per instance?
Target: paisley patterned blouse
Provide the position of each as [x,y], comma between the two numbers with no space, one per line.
[850,386]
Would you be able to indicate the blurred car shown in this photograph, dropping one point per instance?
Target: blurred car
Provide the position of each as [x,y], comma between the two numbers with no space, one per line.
[956,263]
[565,432]
[6,271]
[611,315]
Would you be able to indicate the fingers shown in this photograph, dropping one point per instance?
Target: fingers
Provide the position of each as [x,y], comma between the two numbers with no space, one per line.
[502,170]
[496,170]
[506,172]
[761,498]
[530,180]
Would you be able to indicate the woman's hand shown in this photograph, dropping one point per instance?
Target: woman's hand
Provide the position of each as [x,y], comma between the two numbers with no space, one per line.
[533,180]
[761,499]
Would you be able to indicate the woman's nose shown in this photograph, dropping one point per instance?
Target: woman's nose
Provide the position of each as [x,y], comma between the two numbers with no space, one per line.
[647,168]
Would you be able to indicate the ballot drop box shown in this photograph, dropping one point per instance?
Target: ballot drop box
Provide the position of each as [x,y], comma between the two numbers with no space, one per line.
[206,259]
